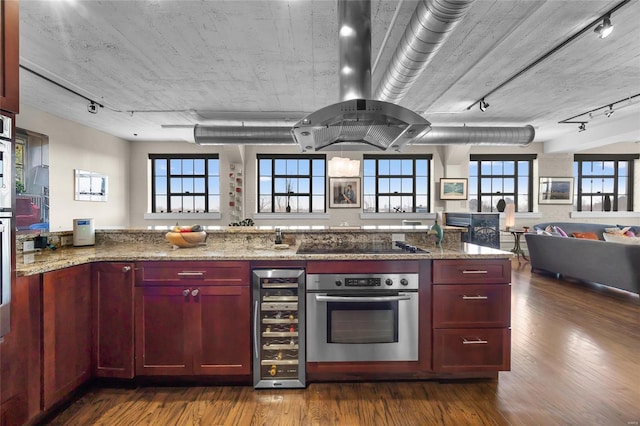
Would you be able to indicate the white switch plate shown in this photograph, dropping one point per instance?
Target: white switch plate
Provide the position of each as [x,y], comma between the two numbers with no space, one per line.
[397,237]
[66,240]
[27,246]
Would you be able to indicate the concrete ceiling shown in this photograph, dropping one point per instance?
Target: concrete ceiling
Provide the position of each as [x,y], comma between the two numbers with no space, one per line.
[161,66]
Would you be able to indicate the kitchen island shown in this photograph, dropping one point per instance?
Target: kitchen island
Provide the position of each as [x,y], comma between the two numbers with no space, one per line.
[133,307]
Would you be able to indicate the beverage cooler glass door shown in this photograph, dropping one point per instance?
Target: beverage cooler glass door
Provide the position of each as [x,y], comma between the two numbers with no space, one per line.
[279,328]
[5,276]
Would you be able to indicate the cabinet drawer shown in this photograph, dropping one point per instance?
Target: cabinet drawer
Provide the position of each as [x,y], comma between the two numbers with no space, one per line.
[471,306]
[202,273]
[474,349]
[471,271]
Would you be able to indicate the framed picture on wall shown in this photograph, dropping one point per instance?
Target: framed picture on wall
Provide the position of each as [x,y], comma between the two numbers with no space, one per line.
[453,189]
[555,190]
[344,192]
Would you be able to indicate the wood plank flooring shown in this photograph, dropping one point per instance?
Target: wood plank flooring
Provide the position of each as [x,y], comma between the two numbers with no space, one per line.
[575,361]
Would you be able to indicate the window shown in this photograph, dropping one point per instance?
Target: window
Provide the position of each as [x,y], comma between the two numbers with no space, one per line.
[291,183]
[398,183]
[496,177]
[184,183]
[604,182]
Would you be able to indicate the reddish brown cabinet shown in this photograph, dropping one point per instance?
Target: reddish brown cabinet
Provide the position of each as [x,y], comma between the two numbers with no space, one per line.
[193,318]
[66,330]
[471,315]
[113,285]
[9,56]
[20,355]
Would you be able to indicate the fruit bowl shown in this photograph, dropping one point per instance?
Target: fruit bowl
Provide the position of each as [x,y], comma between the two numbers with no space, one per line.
[186,239]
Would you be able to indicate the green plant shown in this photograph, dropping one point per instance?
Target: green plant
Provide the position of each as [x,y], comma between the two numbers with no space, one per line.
[19,187]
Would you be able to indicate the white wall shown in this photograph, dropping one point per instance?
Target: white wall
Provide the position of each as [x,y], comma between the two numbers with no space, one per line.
[72,146]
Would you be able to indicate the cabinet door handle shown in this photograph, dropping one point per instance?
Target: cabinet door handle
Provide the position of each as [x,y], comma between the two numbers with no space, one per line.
[474,342]
[195,292]
[478,297]
[186,292]
[126,268]
[190,274]
[474,271]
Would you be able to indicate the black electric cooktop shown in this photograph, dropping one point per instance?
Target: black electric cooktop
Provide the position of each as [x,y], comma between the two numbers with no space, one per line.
[396,247]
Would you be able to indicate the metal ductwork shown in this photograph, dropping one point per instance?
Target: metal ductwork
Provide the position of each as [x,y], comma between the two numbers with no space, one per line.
[448,135]
[225,135]
[445,135]
[358,122]
[430,25]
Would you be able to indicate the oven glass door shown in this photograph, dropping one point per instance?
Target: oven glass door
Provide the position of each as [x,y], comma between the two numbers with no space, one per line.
[362,322]
[362,327]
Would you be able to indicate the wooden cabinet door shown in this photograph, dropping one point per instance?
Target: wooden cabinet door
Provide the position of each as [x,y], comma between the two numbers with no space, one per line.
[66,327]
[113,320]
[20,355]
[222,330]
[9,62]
[162,341]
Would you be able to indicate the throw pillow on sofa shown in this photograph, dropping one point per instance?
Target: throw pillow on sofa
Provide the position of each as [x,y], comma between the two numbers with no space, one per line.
[622,239]
[585,235]
[634,229]
[560,231]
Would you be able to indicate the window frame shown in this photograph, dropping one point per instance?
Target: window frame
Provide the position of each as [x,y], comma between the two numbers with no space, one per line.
[206,194]
[414,157]
[503,158]
[274,176]
[578,163]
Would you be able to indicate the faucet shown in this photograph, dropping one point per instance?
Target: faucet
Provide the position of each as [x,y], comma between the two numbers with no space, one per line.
[278,236]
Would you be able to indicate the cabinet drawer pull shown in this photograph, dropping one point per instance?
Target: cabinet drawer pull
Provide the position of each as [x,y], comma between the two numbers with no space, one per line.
[190,274]
[478,297]
[474,342]
[195,292]
[186,292]
[126,268]
[474,271]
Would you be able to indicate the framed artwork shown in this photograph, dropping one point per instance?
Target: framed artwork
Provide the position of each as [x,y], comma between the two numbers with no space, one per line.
[555,190]
[453,189]
[344,192]
[90,186]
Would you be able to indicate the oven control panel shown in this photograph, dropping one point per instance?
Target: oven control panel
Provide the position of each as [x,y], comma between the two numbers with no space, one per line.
[353,282]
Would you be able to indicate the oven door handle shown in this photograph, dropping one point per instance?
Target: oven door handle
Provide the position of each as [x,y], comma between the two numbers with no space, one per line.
[361,299]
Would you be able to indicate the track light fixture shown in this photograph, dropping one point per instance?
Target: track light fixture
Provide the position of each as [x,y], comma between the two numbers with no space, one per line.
[605,28]
[483,105]
[582,127]
[92,107]
[610,111]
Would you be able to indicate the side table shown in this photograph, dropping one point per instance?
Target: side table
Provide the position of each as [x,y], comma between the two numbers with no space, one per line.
[517,234]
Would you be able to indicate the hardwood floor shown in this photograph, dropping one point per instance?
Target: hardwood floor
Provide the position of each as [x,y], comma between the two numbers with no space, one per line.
[575,361]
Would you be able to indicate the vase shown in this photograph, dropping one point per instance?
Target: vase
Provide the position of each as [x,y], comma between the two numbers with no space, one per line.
[501,205]
[436,233]
[288,208]
[607,203]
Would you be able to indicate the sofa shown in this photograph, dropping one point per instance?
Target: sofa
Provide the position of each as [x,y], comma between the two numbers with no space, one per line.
[610,263]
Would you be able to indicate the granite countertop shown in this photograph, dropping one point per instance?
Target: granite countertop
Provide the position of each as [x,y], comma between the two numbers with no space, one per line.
[50,260]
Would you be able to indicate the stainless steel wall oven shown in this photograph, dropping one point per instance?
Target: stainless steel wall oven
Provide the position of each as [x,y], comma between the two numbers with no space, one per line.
[362,317]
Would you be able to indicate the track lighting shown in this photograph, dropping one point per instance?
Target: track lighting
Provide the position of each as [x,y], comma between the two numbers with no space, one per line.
[92,107]
[582,127]
[610,112]
[605,28]
[483,105]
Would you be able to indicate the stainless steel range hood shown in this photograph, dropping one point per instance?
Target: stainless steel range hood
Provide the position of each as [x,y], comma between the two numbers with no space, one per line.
[358,123]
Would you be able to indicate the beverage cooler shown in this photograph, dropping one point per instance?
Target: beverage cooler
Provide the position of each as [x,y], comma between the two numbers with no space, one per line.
[279,328]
